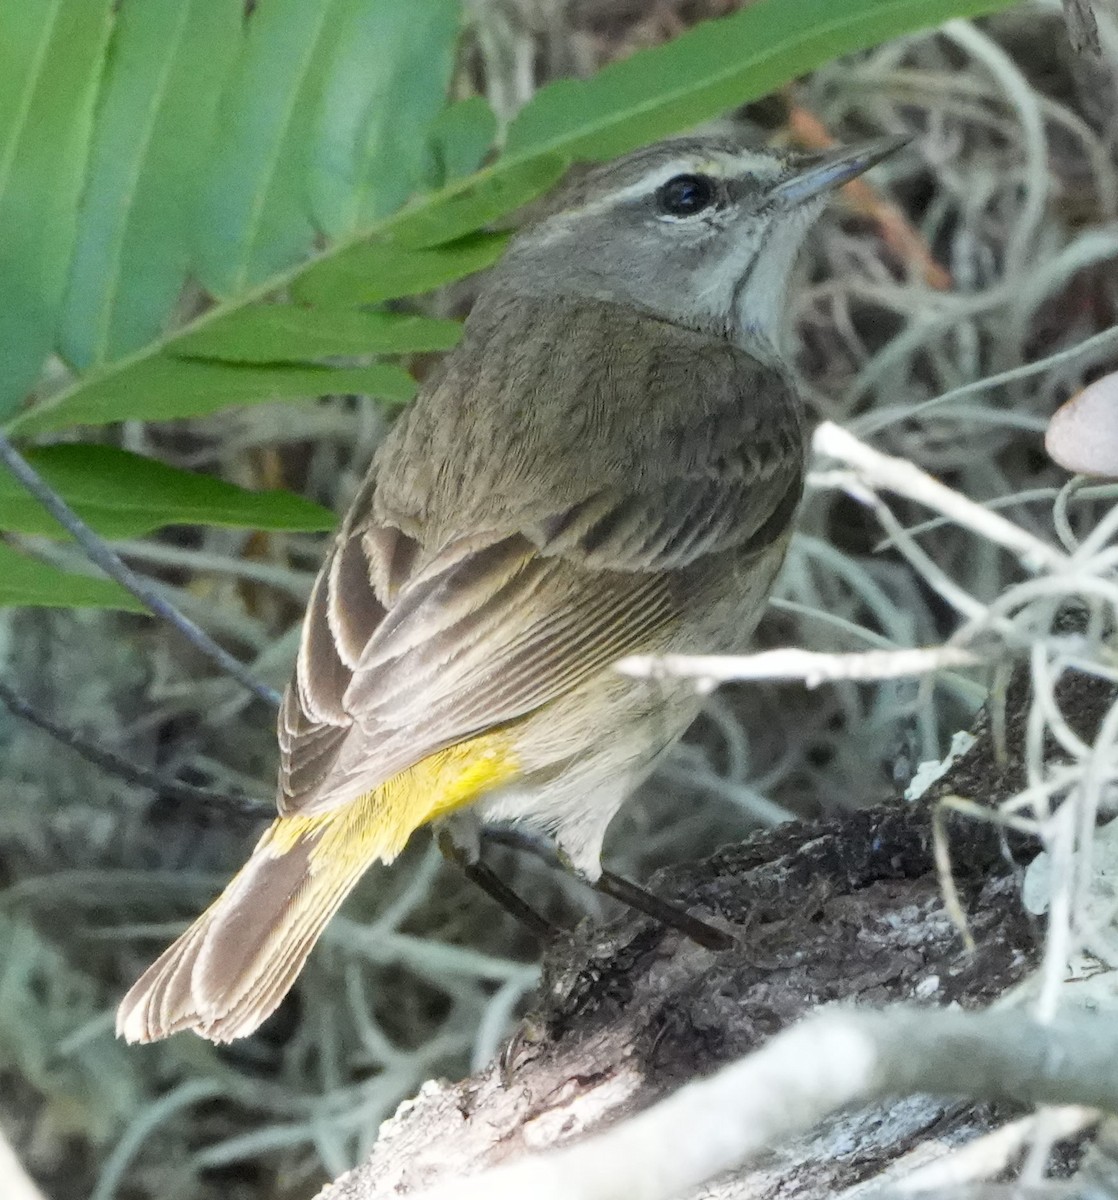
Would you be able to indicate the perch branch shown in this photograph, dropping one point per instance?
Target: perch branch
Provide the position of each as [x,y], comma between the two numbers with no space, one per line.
[824,1064]
[812,666]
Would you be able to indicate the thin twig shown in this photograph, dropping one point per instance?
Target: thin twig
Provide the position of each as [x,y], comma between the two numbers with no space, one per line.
[905,479]
[131,772]
[114,566]
[812,666]
[875,420]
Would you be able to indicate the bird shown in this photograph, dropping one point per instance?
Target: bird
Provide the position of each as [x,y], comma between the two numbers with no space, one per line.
[608,463]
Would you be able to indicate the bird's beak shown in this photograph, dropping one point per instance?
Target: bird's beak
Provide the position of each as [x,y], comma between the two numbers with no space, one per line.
[824,172]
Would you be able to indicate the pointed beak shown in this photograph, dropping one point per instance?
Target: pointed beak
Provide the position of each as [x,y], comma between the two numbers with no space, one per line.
[818,173]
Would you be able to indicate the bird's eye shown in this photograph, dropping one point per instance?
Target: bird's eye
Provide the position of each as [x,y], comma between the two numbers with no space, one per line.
[686,195]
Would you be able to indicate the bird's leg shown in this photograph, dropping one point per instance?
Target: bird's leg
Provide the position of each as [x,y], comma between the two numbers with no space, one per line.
[539,845]
[492,884]
[614,886]
[661,910]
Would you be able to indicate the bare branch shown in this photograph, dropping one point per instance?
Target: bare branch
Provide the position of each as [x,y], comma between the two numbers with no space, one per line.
[824,1064]
[123,768]
[812,666]
[897,475]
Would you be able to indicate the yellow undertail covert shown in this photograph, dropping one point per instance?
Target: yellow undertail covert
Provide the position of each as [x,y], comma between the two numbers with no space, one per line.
[378,824]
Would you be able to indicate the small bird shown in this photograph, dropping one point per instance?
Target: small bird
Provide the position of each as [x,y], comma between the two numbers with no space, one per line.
[607,464]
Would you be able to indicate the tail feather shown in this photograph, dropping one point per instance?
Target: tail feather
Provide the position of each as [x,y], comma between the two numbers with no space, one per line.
[279,964]
[229,971]
[232,967]
[167,981]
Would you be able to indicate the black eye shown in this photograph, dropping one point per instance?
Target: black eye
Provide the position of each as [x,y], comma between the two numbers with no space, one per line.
[686,195]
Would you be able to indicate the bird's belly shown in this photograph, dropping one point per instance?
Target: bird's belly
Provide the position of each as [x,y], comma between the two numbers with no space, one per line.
[583,754]
[586,758]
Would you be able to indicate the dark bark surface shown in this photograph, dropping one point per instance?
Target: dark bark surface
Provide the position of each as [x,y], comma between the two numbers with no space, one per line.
[847,909]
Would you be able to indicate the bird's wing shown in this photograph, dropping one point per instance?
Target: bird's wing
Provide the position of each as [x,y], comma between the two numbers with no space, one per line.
[401,657]
[727,486]
[503,552]
[485,633]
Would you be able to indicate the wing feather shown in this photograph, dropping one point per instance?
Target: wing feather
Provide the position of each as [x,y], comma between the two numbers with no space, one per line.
[473,648]
[479,576]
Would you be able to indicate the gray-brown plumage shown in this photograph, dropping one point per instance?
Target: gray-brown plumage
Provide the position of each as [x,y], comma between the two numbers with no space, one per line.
[663,484]
[608,464]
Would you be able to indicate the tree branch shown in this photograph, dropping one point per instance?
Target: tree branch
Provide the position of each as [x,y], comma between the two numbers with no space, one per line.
[123,768]
[846,910]
[826,1063]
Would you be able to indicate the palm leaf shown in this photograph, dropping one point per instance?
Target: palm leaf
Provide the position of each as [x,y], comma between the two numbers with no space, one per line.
[275,183]
[165,388]
[28,583]
[119,494]
[169,60]
[253,221]
[279,333]
[145,141]
[461,136]
[257,224]
[367,141]
[46,115]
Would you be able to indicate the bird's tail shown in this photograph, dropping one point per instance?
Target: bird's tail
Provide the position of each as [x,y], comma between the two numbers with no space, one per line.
[233,966]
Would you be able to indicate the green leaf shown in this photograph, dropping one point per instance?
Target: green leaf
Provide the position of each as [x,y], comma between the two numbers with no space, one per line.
[46,114]
[28,583]
[654,93]
[27,26]
[274,333]
[166,388]
[715,66]
[467,209]
[376,271]
[121,495]
[254,220]
[386,83]
[461,136]
[169,59]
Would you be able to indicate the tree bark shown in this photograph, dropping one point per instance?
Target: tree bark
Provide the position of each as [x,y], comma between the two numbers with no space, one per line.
[846,909]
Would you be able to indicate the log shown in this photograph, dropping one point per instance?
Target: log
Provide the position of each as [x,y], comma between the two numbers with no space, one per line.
[847,909]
